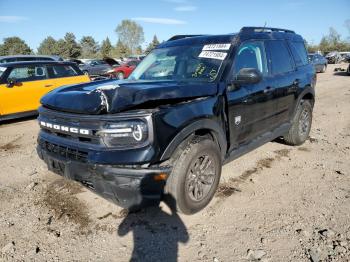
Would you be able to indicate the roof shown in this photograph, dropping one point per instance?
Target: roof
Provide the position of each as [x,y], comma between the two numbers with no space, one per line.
[244,34]
[15,56]
[12,64]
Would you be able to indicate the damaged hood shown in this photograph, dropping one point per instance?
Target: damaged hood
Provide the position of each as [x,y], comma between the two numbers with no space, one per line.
[112,96]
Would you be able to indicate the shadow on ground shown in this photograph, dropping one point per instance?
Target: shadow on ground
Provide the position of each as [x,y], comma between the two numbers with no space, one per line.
[156,233]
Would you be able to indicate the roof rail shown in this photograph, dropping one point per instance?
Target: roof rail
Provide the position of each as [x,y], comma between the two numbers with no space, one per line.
[176,37]
[253,29]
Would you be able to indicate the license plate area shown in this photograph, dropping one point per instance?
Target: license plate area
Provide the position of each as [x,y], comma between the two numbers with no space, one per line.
[57,166]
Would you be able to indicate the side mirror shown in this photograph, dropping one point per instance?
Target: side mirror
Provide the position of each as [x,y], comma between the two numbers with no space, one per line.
[247,76]
[11,82]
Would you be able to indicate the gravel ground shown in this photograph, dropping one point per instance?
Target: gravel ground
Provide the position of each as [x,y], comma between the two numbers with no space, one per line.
[277,203]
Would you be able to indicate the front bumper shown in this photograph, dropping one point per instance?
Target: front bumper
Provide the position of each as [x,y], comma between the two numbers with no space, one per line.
[130,188]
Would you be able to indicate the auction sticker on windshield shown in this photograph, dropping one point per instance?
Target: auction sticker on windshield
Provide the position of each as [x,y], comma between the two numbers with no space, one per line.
[213,55]
[216,47]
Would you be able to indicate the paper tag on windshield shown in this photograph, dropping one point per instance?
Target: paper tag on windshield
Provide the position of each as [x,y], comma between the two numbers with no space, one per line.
[216,47]
[213,55]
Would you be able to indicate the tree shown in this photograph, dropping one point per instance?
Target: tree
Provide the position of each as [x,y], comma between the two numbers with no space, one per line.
[71,49]
[333,37]
[139,50]
[14,46]
[152,45]
[48,46]
[130,34]
[61,48]
[106,48]
[89,47]
[121,50]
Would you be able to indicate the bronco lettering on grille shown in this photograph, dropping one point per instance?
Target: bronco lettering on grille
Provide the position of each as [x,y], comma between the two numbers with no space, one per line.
[68,129]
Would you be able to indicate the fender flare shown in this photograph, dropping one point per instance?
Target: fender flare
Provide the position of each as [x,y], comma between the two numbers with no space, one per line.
[215,129]
[307,90]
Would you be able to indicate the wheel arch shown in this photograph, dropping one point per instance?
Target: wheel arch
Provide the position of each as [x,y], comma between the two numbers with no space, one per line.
[201,127]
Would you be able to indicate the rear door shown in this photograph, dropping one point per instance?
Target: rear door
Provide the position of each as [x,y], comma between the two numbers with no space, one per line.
[285,77]
[24,96]
[251,107]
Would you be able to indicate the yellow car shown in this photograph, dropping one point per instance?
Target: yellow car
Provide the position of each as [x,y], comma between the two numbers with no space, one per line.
[22,84]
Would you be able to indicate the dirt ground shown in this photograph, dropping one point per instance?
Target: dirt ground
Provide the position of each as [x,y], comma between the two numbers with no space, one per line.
[277,203]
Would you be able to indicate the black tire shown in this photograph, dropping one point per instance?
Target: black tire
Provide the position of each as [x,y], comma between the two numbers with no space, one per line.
[324,67]
[301,124]
[120,75]
[86,72]
[197,165]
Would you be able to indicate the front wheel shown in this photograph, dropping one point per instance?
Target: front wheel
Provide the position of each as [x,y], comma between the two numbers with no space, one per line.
[195,175]
[301,124]
[324,67]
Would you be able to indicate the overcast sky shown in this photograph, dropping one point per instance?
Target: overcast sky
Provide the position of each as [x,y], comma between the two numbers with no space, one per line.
[33,20]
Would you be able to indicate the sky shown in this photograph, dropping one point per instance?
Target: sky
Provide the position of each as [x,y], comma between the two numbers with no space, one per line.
[34,20]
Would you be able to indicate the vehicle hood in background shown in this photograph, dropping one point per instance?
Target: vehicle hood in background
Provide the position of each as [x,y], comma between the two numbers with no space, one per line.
[112,96]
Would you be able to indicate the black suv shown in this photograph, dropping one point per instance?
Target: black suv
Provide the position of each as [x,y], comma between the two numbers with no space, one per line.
[193,104]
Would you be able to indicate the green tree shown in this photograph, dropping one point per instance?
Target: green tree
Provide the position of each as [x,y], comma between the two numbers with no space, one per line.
[139,50]
[121,50]
[48,46]
[14,46]
[130,34]
[61,48]
[333,37]
[89,47]
[71,48]
[106,48]
[152,45]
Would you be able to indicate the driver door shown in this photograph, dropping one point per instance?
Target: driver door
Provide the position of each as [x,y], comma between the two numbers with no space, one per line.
[30,83]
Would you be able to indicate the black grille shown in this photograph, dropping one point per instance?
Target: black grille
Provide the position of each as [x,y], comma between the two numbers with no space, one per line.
[63,151]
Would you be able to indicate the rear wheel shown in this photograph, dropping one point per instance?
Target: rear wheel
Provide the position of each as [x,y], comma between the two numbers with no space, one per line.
[195,175]
[301,125]
[324,67]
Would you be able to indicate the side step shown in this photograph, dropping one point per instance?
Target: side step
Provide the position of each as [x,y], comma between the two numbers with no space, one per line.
[257,142]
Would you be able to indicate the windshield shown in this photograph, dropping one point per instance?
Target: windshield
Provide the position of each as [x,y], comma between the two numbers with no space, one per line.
[182,63]
[2,70]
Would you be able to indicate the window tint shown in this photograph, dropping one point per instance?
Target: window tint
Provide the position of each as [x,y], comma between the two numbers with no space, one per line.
[251,55]
[299,53]
[280,57]
[57,71]
[28,73]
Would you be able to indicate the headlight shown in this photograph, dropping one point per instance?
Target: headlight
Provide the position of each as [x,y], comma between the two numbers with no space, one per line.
[128,133]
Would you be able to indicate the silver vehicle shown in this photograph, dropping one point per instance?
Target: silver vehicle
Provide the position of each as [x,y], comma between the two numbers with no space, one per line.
[96,67]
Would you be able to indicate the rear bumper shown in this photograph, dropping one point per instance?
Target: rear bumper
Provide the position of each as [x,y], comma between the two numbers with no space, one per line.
[130,188]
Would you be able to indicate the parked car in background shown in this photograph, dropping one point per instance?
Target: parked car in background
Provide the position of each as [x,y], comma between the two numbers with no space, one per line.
[124,70]
[319,62]
[17,58]
[96,67]
[334,57]
[136,57]
[22,84]
[348,70]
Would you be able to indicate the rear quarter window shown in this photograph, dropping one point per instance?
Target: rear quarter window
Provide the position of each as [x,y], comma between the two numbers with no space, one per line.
[57,71]
[280,57]
[299,53]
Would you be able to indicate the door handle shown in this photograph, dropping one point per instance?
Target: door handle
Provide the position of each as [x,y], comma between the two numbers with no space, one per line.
[48,85]
[296,82]
[268,89]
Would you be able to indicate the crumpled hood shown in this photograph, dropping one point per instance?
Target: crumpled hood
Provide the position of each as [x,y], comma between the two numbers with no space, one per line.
[112,96]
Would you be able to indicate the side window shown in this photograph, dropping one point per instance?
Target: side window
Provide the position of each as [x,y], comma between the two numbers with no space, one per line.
[299,53]
[28,73]
[251,55]
[280,58]
[57,71]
